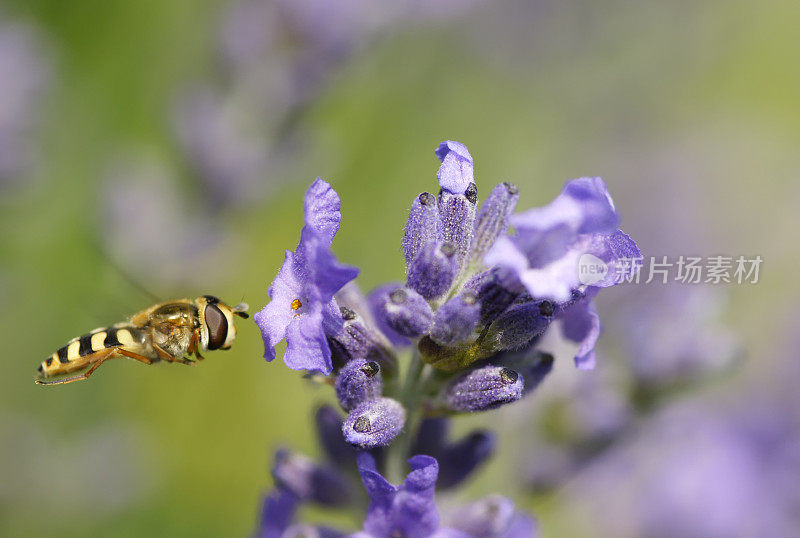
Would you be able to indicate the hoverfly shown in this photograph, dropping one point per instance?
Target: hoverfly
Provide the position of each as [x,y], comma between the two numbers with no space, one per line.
[172,331]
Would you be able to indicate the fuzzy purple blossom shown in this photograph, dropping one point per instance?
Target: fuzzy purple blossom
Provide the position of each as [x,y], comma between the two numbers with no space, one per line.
[374,423]
[357,382]
[302,293]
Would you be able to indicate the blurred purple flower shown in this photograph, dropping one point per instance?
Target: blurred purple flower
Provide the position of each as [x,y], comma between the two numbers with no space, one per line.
[148,229]
[302,293]
[493,517]
[700,473]
[25,72]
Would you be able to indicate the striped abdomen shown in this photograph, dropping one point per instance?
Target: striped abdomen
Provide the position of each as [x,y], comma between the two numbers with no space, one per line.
[78,352]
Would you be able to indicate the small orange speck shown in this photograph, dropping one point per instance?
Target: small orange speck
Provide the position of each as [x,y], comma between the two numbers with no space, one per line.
[296,304]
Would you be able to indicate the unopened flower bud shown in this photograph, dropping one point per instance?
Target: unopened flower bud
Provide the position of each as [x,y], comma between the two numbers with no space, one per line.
[359,381]
[484,388]
[422,226]
[310,481]
[329,432]
[406,312]
[374,423]
[492,219]
[457,214]
[376,300]
[493,516]
[459,460]
[456,172]
[455,320]
[496,290]
[518,325]
[433,270]
[354,340]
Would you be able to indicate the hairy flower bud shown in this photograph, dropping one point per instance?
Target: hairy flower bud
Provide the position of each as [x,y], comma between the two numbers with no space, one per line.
[359,381]
[455,320]
[310,481]
[518,325]
[422,226]
[374,423]
[495,290]
[457,214]
[353,339]
[433,270]
[492,219]
[484,388]
[406,312]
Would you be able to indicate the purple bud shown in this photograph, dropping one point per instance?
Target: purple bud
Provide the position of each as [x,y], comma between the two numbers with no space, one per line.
[457,214]
[433,270]
[308,480]
[518,325]
[359,381]
[536,370]
[377,299]
[329,431]
[374,423]
[484,388]
[406,312]
[422,226]
[455,320]
[456,172]
[459,460]
[494,516]
[492,219]
[495,290]
[354,339]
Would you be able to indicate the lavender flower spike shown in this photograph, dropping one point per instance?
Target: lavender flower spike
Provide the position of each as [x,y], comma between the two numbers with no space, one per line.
[302,293]
[374,423]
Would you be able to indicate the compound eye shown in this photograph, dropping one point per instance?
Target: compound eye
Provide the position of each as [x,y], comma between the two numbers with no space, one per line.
[217,326]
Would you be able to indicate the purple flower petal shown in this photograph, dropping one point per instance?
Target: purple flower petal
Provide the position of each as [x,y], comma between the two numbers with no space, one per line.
[306,345]
[273,319]
[456,172]
[580,323]
[321,207]
[408,509]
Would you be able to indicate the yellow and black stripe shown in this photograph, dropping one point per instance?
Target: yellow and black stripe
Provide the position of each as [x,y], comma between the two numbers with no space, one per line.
[76,354]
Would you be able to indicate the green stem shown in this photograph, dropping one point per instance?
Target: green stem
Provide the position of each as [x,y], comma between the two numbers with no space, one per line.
[410,397]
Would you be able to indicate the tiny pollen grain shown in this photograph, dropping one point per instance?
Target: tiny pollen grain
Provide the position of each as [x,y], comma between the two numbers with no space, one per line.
[296,304]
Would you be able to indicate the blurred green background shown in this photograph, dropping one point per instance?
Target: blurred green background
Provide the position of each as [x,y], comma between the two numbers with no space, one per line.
[687,110]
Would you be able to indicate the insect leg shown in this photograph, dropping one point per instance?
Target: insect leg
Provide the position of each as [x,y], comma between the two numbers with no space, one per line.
[132,355]
[106,354]
[194,344]
[169,358]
